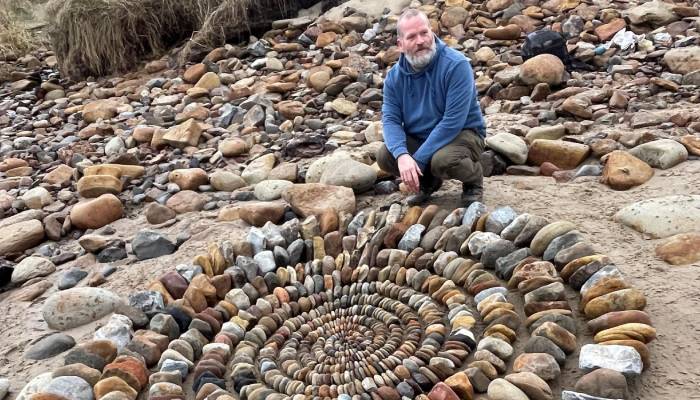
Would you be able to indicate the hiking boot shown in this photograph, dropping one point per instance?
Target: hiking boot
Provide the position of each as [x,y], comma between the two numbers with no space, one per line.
[471,194]
[426,190]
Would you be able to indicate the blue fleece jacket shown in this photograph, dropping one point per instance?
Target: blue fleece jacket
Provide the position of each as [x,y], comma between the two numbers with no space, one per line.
[432,105]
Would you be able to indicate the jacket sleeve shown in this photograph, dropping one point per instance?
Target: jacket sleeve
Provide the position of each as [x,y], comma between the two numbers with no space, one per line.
[460,89]
[394,135]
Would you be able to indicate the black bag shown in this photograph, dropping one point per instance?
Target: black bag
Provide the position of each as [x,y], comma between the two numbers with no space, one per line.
[549,42]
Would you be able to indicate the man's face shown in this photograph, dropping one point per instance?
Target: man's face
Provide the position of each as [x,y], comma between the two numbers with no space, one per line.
[416,41]
[416,37]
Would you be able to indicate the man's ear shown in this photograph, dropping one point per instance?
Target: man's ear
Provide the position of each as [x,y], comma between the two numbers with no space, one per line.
[399,44]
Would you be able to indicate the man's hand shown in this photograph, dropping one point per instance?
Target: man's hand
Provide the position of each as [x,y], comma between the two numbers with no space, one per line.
[410,171]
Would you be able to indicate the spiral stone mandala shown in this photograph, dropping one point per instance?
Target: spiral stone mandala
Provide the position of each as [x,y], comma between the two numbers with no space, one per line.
[386,304]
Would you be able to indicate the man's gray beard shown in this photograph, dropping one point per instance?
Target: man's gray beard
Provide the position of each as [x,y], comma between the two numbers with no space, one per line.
[420,62]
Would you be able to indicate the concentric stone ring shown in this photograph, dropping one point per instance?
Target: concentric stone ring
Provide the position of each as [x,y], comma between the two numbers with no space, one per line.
[416,303]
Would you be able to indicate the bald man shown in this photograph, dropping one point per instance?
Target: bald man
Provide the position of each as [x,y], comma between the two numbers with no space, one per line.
[433,127]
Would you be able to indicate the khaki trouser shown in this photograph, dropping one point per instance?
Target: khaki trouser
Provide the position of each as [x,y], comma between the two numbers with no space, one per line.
[460,159]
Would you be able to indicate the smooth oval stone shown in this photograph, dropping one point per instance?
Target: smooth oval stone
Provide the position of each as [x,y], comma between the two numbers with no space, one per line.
[621,300]
[616,318]
[70,387]
[532,385]
[50,346]
[473,213]
[552,292]
[499,347]
[560,336]
[547,234]
[478,241]
[603,382]
[90,375]
[623,359]
[495,250]
[431,238]
[499,219]
[540,344]
[501,389]
[564,321]
[577,250]
[78,306]
[411,238]
[533,226]
[485,355]
[488,292]
[607,271]
[540,364]
[560,243]
[506,264]
[516,226]
[478,379]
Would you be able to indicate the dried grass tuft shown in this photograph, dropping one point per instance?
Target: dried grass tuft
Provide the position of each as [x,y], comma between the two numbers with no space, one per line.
[15,39]
[101,37]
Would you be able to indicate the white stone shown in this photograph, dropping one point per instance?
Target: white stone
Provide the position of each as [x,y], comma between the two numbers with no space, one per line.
[258,170]
[271,189]
[32,267]
[37,198]
[350,173]
[78,306]
[623,359]
[662,153]
[478,241]
[663,216]
[117,330]
[70,387]
[318,167]
[509,145]
[36,385]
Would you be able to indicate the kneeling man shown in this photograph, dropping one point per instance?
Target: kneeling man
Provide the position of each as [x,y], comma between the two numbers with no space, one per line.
[433,127]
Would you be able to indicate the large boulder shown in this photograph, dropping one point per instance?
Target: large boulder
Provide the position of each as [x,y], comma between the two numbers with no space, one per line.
[96,213]
[32,267]
[78,306]
[509,145]
[20,236]
[654,13]
[662,153]
[663,216]
[350,173]
[623,171]
[316,199]
[543,68]
[683,60]
[565,155]
[318,167]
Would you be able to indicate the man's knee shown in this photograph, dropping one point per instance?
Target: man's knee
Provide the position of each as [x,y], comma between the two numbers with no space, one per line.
[443,162]
[385,159]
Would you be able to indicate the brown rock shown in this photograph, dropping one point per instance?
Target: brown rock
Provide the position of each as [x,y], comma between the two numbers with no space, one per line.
[326,38]
[96,185]
[114,384]
[692,143]
[621,300]
[96,213]
[157,213]
[616,318]
[461,385]
[508,32]
[680,249]
[544,68]
[565,155]
[560,336]
[99,109]
[442,392]
[291,109]
[189,178]
[194,73]
[16,238]
[541,364]
[607,31]
[257,214]
[604,383]
[316,198]
[532,385]
[60,175]
[186,201]
[12,163]
[233,147]
[185,134]
[623,171]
